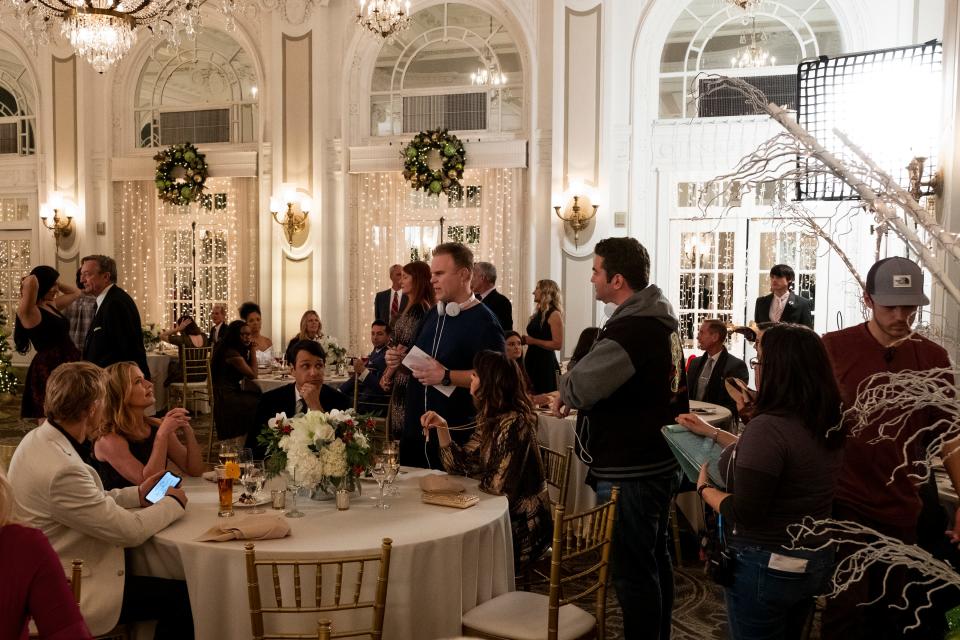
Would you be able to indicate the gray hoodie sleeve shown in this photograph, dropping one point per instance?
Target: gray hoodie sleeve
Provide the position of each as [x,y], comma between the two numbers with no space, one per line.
[597,375]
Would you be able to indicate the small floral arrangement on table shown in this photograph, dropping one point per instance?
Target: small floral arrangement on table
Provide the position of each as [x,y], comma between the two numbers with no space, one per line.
[327,449]
[151,335]
[335,353]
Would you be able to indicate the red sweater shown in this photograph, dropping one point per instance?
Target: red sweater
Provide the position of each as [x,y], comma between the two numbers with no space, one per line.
[855,355]
[34,586]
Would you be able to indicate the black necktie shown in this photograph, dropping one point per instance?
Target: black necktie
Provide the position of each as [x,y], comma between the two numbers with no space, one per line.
[301,406]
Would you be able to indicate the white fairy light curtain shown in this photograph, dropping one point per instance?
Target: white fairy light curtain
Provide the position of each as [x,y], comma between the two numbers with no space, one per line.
[170,268]
[398,224]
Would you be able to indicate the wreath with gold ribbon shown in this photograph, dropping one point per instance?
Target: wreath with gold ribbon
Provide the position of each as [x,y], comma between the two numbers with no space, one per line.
[417,171]
[181,174]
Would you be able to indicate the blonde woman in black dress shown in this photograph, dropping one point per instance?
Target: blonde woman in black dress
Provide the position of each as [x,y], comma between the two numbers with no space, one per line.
[415,284]
[544,337]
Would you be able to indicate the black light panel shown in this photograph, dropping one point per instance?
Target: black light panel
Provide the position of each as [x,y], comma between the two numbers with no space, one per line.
[887,102]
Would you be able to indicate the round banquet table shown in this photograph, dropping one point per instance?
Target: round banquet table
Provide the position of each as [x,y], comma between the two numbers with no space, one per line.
[557,433]
[444,561]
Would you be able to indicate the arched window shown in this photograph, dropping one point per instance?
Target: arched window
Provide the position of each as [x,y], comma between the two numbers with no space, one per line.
[204,92]
[16,107]
[456,67]
[716,37]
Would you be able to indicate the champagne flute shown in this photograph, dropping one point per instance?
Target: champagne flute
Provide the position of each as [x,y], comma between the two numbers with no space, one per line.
[253,478]
[244,457]
[294,488]
[379,471]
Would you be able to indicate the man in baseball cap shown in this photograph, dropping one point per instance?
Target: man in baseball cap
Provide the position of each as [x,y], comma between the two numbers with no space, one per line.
[864,494]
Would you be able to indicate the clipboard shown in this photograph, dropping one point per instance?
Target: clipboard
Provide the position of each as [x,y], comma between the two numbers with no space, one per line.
[691,451]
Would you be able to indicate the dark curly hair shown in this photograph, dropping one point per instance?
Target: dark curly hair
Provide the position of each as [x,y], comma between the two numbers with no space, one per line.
[249,307]
[502,389]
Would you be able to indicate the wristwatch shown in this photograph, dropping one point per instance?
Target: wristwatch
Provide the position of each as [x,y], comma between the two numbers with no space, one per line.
[446,378]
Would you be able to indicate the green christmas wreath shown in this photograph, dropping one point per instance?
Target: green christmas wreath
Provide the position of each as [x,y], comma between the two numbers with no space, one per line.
[452,155]
[181,174]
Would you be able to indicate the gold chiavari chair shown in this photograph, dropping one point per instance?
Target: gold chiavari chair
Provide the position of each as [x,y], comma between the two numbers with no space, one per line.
[583,537]
[344,598]
[556,466]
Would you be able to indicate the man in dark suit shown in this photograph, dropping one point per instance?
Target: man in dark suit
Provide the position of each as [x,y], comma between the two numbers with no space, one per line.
[483,284]
[782,304]
[391,302]
[706,373]
[115,334]
[306,392]
[218,328]
[370,397]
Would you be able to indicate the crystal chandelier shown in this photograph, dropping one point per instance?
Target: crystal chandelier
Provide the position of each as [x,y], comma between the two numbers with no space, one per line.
[487,77]
[103,31]
[752,54]
[747,6]
[385,18]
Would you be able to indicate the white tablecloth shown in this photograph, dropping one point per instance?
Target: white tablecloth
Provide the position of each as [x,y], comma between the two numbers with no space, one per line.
[445,561]
[557,434]
[158,363]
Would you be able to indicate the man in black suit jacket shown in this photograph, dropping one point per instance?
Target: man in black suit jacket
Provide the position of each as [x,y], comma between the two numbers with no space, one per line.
[370,397]
[115,334]
[383,307]
[705,383]
[306,392]
[483,284]
[218,328]
[782,304]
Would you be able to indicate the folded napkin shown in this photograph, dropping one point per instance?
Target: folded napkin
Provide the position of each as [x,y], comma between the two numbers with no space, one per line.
[440,484]
[210,475]
[249,528]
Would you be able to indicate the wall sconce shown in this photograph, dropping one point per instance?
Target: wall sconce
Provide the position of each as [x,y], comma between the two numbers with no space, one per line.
[577,216]
[915,173]
[293,221]
[57,215]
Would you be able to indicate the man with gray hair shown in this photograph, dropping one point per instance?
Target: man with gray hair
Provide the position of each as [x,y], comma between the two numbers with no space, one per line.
[484,286]
[218,319]
[115,334]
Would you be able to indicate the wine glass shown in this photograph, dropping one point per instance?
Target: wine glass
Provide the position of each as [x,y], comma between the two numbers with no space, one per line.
[391,452]
[294,487]
[393,468]
[244,457]
[228,452]
[253,478]
[379,472]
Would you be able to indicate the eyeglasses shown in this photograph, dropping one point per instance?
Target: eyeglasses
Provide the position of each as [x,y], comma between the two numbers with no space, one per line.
[754,363]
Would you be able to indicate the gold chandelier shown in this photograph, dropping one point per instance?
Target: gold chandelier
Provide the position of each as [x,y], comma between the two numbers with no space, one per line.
[384,18]
[103,31]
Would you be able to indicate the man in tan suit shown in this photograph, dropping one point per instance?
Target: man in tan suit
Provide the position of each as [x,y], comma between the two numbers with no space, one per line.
[60,494]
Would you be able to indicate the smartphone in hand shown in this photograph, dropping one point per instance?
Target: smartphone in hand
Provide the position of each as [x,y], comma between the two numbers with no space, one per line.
[159,490]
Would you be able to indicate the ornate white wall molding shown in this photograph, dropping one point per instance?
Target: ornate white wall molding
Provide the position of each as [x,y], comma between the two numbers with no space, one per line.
[222,164]
[507,154]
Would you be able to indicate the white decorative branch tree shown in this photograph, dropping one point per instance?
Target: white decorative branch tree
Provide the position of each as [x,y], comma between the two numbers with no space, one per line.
[870,548]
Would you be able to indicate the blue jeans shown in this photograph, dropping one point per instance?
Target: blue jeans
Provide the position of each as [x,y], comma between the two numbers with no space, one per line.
[766,603]
[640,565]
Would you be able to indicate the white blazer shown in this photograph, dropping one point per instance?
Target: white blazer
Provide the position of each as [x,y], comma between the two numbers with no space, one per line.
[62,496]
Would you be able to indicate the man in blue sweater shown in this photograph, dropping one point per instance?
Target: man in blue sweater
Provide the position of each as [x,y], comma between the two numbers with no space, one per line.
[629,385]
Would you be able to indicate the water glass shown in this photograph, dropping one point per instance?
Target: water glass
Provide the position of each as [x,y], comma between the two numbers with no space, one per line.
[225,491]
[228,452]
[253,478]
[294,487]
[379,472]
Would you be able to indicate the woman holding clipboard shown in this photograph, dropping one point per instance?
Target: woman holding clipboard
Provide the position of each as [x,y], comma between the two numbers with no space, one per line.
[782,468]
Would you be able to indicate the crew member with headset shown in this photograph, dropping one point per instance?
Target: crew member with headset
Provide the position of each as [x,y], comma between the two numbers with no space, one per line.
[450,335]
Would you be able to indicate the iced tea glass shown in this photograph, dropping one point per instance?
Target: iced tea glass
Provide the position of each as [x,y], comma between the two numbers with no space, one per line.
[225,491]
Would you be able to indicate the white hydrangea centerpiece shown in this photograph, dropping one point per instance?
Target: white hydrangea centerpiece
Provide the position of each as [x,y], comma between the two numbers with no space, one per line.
[323,448]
